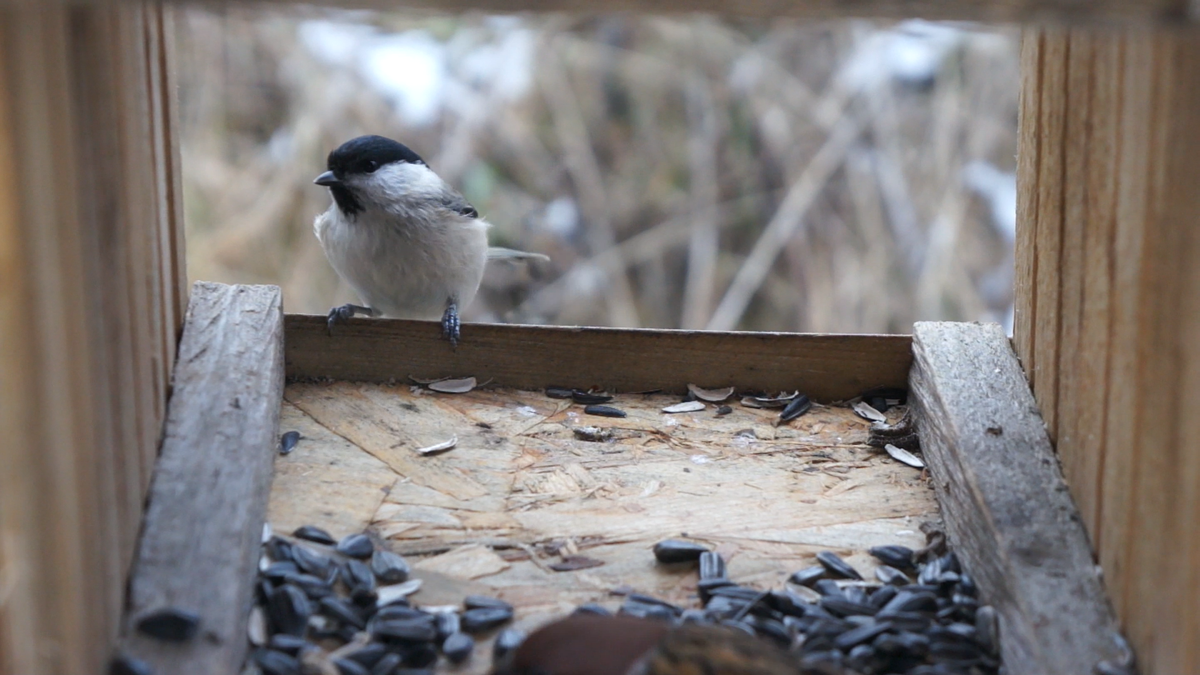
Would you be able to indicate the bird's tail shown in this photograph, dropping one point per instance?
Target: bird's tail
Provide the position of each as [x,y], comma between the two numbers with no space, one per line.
[499,253]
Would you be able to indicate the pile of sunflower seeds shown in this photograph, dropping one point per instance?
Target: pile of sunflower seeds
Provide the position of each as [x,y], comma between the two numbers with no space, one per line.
[325,606]
[920,616]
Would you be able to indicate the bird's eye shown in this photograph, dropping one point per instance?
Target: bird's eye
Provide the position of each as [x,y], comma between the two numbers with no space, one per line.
[371,165]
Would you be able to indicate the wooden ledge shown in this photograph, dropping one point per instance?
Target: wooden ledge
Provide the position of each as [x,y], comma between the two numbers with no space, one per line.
[826,367]
[1006,507]
[199,544]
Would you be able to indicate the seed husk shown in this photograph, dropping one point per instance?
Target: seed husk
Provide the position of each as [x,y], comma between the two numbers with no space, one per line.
[288,442]
[288,610]
[712,566]
[587,397]
[483,618]
[257,630]
[593,434]
[456,386]
[604,411]
[389,567]
[171,624]
[724,410]
[685,407]
[458,647]
[506,643]
[710,395]
[865,411]
[904,457]
[797,407]
[438,448]
[836,566]
[396,592]
[272,662]
[678,551]
[356,546]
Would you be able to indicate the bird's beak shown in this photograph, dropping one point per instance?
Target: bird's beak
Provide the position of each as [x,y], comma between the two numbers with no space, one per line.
[327,179]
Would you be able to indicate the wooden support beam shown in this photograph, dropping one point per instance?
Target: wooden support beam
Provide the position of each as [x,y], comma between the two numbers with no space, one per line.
[826,367]
[1007,510]
[1108,296]
[199,545]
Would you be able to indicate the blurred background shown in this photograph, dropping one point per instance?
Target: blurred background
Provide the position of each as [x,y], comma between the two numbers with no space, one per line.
[682,172]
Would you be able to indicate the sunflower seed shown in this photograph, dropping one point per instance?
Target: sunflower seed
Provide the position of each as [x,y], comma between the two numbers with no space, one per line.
[288,644]
[483,618]
[712,566]
[685,407]
[559,392]
[279,549]
[905,457]
[389,567]
[311,562]
[356,546]
[506,643]
[845,607]
[836,566]
[458,386]
[348,667]
[336,608]
[900,557]
[170,624]
[276,663]
[987,630]
[592,608]
[797,407]
[288,442]
[367,655]
[388,664]
[403,628]
[710,395]
[808,576]
[314,534]
[289,609]
[458,647]
[604,411]
[678,551]
[863,633]
[724,410]
[587,397]
[868,413]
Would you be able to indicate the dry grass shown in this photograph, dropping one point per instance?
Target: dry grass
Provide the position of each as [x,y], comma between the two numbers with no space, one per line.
[725,175]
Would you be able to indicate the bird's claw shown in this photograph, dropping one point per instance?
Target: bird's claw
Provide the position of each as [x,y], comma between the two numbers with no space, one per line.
[344,312]
[451,325]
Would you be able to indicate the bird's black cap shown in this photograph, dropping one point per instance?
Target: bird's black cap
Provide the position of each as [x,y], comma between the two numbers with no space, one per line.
[365,154]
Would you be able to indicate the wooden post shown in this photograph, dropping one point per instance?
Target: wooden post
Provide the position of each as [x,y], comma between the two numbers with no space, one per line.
[91,272]
[1108,307]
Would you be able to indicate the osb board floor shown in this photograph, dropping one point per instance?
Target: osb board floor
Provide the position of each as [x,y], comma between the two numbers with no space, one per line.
[519,490]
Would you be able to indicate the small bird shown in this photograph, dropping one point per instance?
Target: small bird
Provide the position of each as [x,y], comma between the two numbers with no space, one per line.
[585,644]
[408,243]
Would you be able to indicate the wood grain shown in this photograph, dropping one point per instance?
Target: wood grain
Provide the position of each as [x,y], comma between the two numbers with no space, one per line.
[980,10]
[520,483]
[1113,319]
[203,523]
[826,367]
[1006,507]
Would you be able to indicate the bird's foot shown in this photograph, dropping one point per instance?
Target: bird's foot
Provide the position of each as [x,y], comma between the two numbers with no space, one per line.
[344,312]
[451,324]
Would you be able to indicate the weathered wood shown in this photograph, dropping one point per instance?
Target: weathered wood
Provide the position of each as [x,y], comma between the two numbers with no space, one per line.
[1104,326]
[980,10]
[519,479]
[826,367]
[1006,507]
[207,504]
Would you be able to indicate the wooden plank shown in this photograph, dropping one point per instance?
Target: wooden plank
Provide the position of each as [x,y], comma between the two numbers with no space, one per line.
[979,10]
[1028,155]
[1007,510]
[199,544]
[826,367]
[519,480]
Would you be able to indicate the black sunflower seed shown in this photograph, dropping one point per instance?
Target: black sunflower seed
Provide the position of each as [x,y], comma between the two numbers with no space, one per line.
[863,633]
[287,643]
[891,576]
[604,411]
[368,655]
[312,586]
[900,557]
[644,610]
[356,546]
[486,602]
[311,562]
[358,576]
[418,655]
[586,398]
[289,609]
[458,647]
[678,551]
[506,643]
[808,576]
[276,571]
[348,667]
[271,662]
[839,606]
[559,392]
[388,664]
[592,608]
[403,629]
[828,588]
[447,624]
[389,567]
[124,664]
[314,534]
[483,618]
[336,608]
[279,549]
[170,623]
[882,596]
[836,566]
[795,408]
[288,442]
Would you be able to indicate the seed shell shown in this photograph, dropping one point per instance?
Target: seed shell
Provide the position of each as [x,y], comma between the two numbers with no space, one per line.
[604,411]
[710,395]
[869,413]
[457,386]
[685,407]
[438,448]
[314,534]
[587,397]
[905,457]
[797,407]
